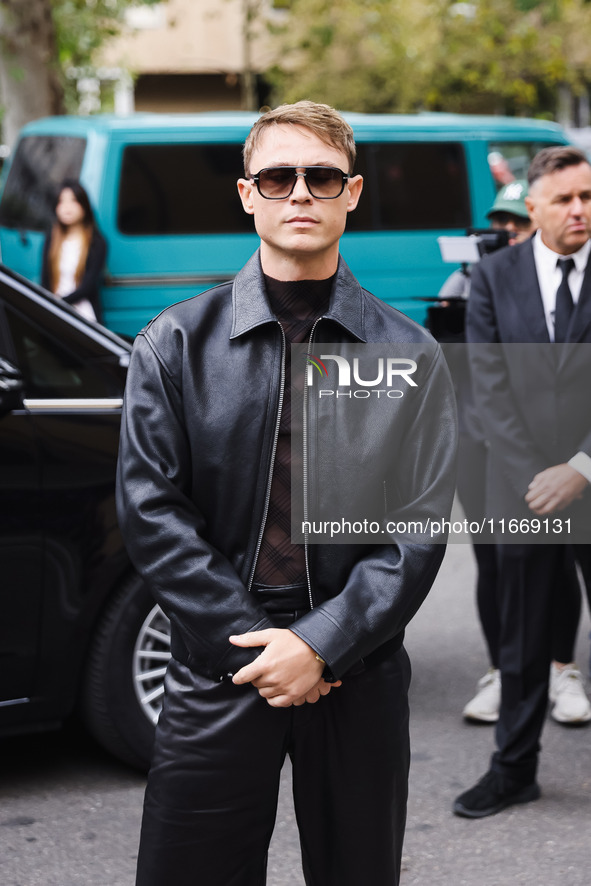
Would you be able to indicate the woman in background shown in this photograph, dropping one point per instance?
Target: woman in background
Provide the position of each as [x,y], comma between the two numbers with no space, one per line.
[74,252]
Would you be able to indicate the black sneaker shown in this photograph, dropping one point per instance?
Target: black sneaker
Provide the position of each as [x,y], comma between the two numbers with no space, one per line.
[492,794]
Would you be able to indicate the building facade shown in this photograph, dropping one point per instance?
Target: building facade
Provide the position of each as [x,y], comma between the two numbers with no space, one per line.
[190,55]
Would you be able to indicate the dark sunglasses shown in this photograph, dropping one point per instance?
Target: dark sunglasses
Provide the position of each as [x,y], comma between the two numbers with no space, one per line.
[278,182]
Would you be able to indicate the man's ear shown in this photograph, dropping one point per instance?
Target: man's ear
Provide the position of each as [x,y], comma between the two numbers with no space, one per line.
[531,207]
[354,187]
[246,189]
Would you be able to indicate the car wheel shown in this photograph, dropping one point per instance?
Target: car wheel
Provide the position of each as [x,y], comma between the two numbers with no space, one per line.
[124,680]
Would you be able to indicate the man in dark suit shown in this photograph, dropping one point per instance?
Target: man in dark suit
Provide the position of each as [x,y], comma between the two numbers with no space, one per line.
[529,317]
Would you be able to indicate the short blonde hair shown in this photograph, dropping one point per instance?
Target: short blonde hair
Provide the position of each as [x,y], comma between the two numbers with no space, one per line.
[321,119]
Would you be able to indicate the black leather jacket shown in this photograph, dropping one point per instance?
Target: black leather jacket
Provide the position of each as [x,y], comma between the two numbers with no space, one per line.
[198,437]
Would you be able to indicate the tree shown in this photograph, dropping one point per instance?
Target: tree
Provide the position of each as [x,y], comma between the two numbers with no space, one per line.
[29,78]
[510,56]
[39,41]
[481,56]
[371,55]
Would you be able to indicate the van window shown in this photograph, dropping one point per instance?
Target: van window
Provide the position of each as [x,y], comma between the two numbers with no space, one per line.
[181,189]
[40,165]
[191,189]
[510,160]
[411,186]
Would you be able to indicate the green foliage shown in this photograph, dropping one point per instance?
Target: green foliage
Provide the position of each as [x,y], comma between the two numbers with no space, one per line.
[81,27]
[355,53]
[387,55]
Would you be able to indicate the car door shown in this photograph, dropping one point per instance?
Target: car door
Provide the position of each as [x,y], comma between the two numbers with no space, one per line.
[74,410]
[60,551]
[22,541]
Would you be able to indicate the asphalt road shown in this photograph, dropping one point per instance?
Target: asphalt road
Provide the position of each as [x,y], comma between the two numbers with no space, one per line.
[70,815]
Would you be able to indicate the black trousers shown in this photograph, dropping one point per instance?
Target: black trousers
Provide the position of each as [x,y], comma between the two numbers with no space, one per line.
[211,798]
[531,588]
[472,457]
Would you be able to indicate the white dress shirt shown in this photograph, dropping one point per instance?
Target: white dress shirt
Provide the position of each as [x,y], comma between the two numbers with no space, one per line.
[550,278]
[550,275]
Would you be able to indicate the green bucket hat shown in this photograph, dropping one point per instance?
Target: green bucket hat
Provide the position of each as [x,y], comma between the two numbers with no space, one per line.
[511,198]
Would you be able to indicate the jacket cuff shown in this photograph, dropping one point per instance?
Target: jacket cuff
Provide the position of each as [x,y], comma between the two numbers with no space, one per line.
[237,657]
[234,658]
[326,638]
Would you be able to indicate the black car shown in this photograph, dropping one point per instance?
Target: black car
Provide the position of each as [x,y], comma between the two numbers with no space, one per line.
[78,628]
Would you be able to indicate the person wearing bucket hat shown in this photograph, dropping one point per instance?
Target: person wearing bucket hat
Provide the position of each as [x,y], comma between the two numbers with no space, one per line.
[509,211]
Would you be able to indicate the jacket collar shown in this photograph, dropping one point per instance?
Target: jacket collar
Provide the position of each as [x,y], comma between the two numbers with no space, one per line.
[250,307]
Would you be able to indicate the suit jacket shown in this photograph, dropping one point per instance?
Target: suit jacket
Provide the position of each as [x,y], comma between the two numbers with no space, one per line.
[532,394]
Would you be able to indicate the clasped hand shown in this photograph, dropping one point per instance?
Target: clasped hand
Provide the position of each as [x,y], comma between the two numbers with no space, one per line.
[554,489]
[286,672]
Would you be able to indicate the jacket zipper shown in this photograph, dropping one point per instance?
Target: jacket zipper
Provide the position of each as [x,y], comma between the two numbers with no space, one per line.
[305,473]
[272,464]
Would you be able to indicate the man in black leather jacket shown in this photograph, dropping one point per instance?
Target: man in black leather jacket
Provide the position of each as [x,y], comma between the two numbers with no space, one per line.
[279,645]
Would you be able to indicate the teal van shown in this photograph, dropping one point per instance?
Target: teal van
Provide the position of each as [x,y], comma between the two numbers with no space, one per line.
[164,190]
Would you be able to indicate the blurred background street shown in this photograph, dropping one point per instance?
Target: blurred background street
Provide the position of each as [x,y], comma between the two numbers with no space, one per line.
[140,100]
[70,814]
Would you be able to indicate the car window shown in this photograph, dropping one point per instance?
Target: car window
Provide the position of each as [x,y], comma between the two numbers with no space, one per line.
[181,189]
[40,164]
[191,188]
[510,160]
[411,186]
[50,369]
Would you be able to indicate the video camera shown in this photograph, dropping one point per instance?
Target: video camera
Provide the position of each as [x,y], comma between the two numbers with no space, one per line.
[446,318]
[477,242]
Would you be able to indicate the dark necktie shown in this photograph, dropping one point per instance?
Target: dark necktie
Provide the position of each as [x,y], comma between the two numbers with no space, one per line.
[564,301]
